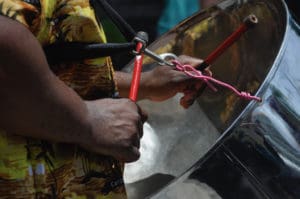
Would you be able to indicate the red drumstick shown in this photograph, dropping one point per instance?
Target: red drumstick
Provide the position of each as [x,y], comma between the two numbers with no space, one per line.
[135,82]
[141,40]
[249,22]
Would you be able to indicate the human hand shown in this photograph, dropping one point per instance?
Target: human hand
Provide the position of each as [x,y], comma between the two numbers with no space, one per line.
[116,128]
[163,82]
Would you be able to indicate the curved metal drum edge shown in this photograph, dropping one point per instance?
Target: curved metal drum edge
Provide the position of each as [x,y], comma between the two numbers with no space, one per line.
[259,155]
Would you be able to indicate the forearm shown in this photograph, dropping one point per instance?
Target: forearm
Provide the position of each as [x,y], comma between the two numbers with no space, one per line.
[160,83]
[33,101]
[124,82]
[54,114]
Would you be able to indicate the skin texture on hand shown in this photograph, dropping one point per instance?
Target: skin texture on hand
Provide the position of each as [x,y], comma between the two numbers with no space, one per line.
[35,103]
[163,82]
[117,126]
[193,90]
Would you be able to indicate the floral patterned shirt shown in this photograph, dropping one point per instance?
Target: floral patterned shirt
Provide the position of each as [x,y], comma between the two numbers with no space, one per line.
[32,168]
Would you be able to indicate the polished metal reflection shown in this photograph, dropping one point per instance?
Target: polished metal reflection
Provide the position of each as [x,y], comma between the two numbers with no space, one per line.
[176,138]
[173,140]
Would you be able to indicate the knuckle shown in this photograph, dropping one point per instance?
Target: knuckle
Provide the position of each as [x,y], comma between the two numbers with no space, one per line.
[131,131]
[126,144]
[125,101]
[135,118]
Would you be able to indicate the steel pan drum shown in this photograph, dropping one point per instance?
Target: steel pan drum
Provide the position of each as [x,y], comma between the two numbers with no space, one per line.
[225,147]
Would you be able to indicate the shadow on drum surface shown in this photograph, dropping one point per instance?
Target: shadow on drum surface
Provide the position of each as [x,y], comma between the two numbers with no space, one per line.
[168,146]
[175,138]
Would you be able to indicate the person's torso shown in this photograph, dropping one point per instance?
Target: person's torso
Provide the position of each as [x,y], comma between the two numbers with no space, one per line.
[38,169]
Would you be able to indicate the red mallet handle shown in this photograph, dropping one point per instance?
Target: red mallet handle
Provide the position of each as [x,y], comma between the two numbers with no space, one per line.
[249,22]
[135,82]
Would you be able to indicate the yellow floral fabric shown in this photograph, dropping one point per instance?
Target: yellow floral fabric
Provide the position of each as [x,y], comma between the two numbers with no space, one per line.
[37,169]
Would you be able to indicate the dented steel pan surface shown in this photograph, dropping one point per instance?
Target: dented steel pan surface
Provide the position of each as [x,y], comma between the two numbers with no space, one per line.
[225,147]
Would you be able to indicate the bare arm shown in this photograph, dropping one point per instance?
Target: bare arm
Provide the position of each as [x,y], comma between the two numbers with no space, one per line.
[162,83]
[35,103]
[159,84]
[33,100]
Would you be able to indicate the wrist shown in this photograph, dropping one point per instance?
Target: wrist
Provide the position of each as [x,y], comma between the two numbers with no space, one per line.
[145,86]
[85,131]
